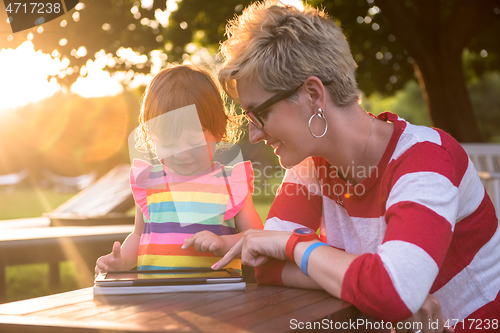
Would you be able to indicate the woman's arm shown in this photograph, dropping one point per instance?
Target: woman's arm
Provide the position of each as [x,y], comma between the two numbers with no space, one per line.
[297,204]
[292,276]
[326,265]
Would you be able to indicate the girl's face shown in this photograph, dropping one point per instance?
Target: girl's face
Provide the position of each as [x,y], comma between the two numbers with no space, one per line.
[189,154]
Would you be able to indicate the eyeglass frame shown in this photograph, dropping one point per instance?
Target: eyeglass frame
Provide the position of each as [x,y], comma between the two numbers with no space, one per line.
[271,101]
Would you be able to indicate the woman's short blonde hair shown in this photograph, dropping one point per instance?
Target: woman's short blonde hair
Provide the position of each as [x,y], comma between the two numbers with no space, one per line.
[182,85]
[281,46]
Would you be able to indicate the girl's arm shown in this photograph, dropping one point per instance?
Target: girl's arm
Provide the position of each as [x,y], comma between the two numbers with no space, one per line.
[247,218]
[123,257]
[130,247]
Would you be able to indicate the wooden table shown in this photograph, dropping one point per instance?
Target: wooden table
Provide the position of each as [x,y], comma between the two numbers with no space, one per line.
[258,309]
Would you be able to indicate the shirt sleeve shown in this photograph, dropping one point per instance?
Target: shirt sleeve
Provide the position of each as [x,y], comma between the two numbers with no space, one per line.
[297,204]
[139,175]
[421,211]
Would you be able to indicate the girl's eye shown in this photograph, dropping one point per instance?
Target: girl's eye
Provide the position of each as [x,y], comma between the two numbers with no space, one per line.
[164,143]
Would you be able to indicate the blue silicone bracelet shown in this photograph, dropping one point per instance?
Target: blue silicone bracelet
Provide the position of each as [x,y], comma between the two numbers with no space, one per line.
[307,253]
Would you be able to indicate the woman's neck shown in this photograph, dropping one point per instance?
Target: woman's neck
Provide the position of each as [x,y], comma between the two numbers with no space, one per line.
[356,142]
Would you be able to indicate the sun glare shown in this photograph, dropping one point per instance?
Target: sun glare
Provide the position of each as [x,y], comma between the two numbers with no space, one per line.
[28,76]
[25,74]
[97,82]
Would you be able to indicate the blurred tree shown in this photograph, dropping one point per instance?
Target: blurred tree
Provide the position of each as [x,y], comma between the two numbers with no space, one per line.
[485,97]
[392,41]
[126,31]
[68,134]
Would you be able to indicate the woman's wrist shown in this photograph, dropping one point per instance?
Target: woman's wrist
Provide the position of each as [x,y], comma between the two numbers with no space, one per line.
[285,238]
[299,250]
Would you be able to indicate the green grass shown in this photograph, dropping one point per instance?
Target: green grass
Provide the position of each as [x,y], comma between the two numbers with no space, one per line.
[262,208]
[25,202]
[28,281]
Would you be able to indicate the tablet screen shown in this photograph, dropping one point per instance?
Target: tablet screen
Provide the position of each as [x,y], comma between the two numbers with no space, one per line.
[153,275]
[168,277]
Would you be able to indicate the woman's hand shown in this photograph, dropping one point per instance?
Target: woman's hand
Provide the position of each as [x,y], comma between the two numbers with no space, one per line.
[256,247]
[111,262]
[428,315]
[206,241]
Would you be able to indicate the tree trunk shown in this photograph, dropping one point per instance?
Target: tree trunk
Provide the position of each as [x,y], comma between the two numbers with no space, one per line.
[436,41]
[445,93]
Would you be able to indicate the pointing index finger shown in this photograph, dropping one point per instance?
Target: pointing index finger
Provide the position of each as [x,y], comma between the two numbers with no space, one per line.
[230,255]
[188,242]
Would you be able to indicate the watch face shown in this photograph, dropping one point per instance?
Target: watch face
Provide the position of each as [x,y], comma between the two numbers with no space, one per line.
[303,231]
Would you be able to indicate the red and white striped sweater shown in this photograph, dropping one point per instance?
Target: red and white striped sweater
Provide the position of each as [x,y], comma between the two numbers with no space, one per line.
[421,223]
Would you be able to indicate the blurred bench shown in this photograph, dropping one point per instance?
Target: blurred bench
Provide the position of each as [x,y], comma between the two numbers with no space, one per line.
[81,230]
[82,245]
[486,159]
[104,202]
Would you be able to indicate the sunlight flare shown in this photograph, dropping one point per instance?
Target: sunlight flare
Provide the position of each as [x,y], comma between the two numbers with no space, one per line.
[25,76]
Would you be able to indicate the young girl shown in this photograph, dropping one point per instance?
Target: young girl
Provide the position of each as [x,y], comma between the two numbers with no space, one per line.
[190,208]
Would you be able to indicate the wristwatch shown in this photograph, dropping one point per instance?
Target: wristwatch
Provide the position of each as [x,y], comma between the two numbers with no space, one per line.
[299,235]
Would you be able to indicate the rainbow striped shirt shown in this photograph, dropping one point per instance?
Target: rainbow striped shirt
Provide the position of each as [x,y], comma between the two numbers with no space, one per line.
[176,207]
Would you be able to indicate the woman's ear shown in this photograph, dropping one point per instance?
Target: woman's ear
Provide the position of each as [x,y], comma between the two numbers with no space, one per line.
[316,92]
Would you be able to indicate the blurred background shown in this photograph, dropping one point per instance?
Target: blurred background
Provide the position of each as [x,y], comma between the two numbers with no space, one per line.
[70,89]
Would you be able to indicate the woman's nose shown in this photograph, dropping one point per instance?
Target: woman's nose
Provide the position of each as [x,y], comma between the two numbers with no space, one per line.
[254,133]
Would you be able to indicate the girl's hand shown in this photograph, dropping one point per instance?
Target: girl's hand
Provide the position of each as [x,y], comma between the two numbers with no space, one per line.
[428,315]
[111,262]
[256,247]
[206,241]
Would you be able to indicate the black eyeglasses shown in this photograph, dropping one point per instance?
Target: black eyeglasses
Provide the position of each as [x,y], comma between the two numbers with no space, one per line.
[253,115]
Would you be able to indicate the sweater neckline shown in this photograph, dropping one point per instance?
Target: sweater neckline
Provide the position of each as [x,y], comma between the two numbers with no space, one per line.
[372,179]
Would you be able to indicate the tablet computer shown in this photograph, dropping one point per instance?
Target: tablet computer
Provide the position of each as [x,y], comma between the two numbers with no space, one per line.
[187,276]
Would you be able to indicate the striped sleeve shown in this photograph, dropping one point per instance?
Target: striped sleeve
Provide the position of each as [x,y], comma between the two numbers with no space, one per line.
[421,211]
[297,204]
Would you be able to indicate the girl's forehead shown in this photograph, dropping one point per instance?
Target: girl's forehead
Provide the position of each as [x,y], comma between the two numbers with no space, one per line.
[181,134]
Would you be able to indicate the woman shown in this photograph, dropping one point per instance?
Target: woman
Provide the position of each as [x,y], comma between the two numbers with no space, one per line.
[400,206]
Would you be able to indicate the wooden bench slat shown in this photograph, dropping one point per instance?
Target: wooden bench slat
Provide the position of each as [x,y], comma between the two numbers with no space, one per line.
[486,159]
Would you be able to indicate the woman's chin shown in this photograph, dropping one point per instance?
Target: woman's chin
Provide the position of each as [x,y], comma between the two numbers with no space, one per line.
[287,162]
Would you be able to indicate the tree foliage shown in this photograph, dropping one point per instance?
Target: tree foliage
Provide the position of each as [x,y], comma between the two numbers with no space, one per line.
[391,41]
[435,35]
[68,134]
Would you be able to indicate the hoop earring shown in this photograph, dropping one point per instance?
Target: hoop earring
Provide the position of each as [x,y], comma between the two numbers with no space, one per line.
[320,115]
